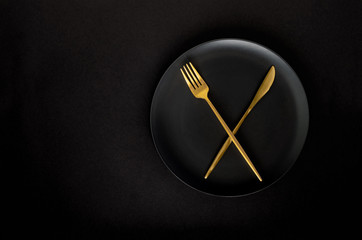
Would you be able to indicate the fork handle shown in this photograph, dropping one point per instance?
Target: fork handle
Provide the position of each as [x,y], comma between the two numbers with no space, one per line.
[233,138]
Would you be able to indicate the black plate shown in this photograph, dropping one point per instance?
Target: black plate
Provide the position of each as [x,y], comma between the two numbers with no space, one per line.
[187,134]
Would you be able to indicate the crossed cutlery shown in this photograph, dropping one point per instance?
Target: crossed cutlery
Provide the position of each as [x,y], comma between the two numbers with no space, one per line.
[199,89]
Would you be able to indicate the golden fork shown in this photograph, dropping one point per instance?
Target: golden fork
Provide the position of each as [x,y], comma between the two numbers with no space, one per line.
[199,89]
[263,89]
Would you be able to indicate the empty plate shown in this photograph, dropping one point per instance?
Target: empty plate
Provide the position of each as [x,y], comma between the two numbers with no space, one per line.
[188,135]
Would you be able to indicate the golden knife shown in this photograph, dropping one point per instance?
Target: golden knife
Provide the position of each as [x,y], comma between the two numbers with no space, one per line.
[263,89]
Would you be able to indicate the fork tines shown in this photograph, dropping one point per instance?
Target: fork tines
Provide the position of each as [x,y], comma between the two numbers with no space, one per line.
[193,78]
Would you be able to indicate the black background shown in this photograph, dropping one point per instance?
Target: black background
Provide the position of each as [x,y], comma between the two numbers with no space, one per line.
[77,157]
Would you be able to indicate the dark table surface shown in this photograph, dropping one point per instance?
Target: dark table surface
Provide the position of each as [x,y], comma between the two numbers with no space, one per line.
[77,157]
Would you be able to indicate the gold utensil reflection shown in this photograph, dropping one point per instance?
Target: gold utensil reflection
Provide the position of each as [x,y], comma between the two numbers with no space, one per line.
[263,89]
[199,89]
